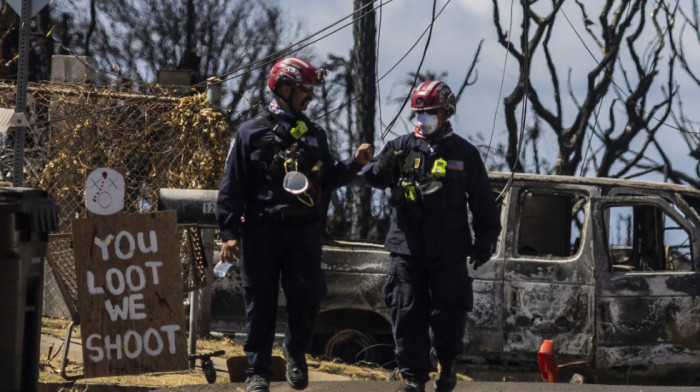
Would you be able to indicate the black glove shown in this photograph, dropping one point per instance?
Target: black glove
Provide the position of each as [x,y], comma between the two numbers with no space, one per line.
[479,258]
[390,160]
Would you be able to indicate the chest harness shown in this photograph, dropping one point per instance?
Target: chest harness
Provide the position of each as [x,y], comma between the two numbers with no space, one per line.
[417,188]
[293,163]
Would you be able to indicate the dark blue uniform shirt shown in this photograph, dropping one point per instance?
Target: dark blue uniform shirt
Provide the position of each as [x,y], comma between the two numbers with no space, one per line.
[438,225]
[245,189]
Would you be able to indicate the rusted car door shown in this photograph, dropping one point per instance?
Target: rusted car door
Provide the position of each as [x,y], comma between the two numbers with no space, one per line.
[647,290]
[549,290]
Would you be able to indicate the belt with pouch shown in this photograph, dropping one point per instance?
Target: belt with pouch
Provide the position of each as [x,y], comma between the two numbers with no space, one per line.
[283,213]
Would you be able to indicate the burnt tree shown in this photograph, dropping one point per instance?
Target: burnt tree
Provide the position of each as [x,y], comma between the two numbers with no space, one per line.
[236,41]
[632,64]
[687,35]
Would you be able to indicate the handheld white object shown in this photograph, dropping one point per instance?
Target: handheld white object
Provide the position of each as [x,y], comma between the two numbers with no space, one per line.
[295,183]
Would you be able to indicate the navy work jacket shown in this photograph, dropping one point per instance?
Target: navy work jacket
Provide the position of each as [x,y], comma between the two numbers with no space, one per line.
[246,189]
[438,225]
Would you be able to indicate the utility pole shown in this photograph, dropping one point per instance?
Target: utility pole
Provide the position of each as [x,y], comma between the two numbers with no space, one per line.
[21,104]
[364,60]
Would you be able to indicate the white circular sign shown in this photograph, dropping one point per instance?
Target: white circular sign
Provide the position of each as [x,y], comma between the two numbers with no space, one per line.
[104,191]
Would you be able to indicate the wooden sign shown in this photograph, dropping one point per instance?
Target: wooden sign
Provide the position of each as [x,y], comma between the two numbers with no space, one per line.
[132,318]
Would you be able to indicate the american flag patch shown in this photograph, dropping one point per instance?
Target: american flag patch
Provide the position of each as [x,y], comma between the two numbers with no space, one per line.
[455,165]
[311,141]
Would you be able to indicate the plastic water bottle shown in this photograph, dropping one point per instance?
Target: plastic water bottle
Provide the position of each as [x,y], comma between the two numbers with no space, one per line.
[221,268]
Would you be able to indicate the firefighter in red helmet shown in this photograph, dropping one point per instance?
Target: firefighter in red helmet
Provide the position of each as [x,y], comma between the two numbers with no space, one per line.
[435,175]
[278,167]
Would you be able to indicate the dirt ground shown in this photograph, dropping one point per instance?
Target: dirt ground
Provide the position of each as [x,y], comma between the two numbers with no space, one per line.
[53,344]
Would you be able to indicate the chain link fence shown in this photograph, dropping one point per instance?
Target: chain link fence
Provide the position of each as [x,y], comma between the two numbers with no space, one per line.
[158,139]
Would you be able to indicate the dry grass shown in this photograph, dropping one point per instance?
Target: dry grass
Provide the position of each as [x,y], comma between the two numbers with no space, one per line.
[356,372]
[50,363]
[57,326]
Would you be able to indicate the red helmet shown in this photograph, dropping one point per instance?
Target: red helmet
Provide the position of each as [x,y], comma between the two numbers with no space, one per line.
[431,95]
[295,71]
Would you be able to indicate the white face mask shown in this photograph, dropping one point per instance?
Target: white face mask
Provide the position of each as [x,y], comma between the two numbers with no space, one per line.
[427,123]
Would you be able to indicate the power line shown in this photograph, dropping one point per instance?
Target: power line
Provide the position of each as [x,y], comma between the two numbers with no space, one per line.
[612,80]
[526,52]
[500,88]
[415,78]
[379,79]
[376,62]
[230,74]
[290,49]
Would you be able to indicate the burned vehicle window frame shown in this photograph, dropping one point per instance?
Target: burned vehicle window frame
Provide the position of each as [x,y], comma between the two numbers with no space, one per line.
[547,220]
[681,207]
[646,248]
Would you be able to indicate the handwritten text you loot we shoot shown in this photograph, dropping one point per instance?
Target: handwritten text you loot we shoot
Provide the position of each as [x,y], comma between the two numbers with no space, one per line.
[130,283]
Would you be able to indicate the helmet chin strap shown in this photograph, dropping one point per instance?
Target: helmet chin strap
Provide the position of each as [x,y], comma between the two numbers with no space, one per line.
[286,101]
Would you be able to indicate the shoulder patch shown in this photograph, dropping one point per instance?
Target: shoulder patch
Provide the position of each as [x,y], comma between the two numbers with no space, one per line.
[311,141]
[455,165]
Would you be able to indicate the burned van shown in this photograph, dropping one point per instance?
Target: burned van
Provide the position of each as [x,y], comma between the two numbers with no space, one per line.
[608,269]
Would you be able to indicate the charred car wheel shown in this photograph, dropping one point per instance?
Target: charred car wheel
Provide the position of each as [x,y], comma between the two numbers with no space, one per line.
[350,346]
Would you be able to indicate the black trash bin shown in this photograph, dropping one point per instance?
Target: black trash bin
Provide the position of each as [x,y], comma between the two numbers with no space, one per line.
[26,218]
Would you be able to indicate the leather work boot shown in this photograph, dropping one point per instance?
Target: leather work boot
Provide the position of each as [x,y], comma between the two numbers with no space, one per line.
[410,386]
[446,380]
[258,384]
[297,373]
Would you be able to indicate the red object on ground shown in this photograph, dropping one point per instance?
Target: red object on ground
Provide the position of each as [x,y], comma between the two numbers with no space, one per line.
[547,361]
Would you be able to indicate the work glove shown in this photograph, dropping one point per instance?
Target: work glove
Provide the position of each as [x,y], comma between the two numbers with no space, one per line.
[479,257]
[390,160]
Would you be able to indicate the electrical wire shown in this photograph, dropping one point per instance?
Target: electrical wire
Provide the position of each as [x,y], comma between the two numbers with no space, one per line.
[500,88]
[228,75]
[415,78]
[509,183]
[273,57]
[617,87]
[260,63]
[266,60]
[425,31]
[597,112]
[396,64]
[612,80]
[376,62]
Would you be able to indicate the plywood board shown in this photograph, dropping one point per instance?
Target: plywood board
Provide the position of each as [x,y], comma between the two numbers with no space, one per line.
[128,272]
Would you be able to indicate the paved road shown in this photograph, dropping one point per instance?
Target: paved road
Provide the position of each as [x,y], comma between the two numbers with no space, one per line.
[462,386]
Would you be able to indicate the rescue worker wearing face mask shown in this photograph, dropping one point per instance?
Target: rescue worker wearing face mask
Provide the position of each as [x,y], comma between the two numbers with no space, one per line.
[278,166]
[434,174]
